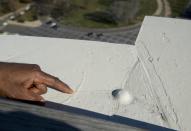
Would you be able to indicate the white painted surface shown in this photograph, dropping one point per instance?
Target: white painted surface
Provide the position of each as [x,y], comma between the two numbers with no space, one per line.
[93,69]
[158,76]
[164,47]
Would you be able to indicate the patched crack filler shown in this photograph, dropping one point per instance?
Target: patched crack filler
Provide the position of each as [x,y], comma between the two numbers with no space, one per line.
[168,116]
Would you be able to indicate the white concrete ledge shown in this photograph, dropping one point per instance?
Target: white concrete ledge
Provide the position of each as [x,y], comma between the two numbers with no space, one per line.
[156,72]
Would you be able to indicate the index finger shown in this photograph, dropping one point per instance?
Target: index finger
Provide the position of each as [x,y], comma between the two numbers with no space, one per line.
[54,83]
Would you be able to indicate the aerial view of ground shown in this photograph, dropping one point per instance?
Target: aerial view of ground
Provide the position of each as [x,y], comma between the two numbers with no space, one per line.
[116,21]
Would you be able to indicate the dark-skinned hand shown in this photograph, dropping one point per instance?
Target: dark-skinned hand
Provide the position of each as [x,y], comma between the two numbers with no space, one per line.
[27,82]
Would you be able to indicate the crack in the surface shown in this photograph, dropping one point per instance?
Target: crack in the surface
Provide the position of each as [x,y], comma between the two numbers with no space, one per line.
[79,87]
[153,92]
[166,94]
[159,106]
[129,74]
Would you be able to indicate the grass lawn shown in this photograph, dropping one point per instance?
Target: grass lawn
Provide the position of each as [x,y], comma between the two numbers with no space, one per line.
[146,7]
[4,11]
[1,13]
[28,16]
[76,17]
[177,6]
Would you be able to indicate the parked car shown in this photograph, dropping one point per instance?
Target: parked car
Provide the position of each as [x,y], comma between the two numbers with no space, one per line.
[48,22]
[54,25]
[28,7]
[22,13]
[12,17]
[5,23]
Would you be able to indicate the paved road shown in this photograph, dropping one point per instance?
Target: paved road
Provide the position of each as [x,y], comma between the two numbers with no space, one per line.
[122,37]
[167,8]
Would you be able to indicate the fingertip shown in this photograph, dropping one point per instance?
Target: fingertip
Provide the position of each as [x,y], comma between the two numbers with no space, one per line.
[56,83]
[66,88]
[71,91]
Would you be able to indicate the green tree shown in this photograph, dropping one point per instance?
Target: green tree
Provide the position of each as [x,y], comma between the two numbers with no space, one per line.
[124,10]
[61,8]
[106,2]
[8,5]
[25,1]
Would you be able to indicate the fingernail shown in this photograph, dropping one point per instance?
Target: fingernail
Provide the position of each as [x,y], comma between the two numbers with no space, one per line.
[71,91]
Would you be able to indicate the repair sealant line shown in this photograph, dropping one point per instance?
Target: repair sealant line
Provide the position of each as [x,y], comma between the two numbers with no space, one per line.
[153,92]
[159,104]
[79,87]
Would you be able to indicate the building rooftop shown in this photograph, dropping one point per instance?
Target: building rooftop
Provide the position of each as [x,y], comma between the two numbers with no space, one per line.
[154,71]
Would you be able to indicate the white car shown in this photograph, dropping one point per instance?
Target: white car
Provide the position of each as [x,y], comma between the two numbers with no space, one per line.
[12,17]
[53,25]
[22,13]
[28,7]
[5,23]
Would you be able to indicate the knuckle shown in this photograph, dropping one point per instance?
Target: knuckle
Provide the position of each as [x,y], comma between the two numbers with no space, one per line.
[45,90]
[56,79]
[36,73]
[35,66]
[24,84]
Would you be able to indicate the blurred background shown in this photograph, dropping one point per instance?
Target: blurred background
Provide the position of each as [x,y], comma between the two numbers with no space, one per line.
[116,21]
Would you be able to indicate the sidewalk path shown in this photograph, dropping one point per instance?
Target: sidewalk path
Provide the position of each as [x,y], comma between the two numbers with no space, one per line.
[159,8]
[163,6]
[167,8]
